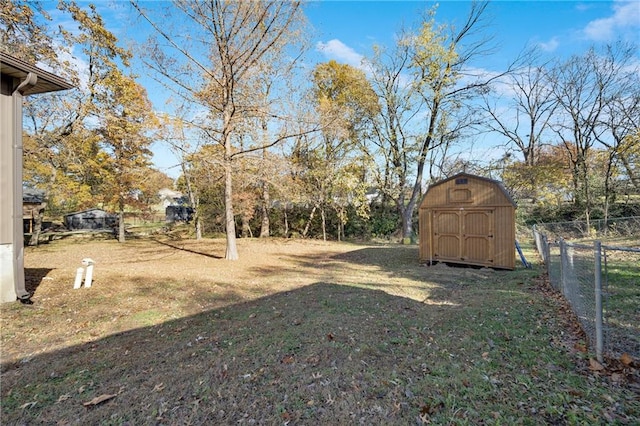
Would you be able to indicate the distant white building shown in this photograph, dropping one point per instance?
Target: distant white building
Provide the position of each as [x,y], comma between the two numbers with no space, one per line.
[169,197]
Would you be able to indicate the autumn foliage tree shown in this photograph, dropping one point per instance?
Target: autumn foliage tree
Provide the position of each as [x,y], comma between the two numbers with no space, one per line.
[61,156]
[125,130]
[24,32]
[548,182]
[346,105]
[90,146]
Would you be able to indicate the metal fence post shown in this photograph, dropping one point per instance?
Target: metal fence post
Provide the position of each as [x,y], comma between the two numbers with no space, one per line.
[546,248]
[563,267]
[597,253]
[534,229]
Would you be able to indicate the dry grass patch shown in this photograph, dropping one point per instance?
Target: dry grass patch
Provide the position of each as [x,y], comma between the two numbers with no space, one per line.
[295,332]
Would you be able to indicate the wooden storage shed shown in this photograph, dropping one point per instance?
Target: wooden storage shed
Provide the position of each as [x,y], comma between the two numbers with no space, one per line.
[470,220]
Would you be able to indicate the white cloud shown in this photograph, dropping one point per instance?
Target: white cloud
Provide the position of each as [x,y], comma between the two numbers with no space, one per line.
[335,49]
[626,16]
[70,65]
[549,46]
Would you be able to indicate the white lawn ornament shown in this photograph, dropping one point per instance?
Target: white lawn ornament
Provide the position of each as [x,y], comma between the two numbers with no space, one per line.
[80,271]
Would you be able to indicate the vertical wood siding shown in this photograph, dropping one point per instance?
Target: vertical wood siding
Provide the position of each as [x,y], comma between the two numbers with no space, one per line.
[468,219]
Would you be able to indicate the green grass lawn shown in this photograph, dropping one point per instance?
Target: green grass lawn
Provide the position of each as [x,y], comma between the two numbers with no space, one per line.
[622,302]
[345,334]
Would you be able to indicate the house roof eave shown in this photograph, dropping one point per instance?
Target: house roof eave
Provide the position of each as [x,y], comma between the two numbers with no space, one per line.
[19,69]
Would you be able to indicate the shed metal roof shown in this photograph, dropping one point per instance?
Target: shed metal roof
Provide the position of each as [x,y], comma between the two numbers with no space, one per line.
[33,196]
[92,210]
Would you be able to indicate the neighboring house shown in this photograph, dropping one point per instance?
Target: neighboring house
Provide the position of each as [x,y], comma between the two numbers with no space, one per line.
[91,219]
[373,194]
[169,197]
[33,205]
[176,206]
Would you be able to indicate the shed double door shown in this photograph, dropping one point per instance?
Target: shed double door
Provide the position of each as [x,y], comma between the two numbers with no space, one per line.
[464,236]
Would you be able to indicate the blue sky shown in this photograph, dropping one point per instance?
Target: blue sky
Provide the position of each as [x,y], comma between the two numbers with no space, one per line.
[347,30]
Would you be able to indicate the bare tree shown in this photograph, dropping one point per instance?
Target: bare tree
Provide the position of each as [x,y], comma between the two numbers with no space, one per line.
[277,91]
[175,135]
[530,111]
[623,121]
[525,119]
[209,58]
[621,118]
[428,74]
[395,129]
[584,86]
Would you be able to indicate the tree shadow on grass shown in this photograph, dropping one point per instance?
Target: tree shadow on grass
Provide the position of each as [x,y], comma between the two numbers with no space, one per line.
[400,260]
[263,360]
[320,354]
[174,246]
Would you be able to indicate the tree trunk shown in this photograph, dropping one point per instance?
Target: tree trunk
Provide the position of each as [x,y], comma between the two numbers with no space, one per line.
[324,224]
[264,228]
[246,227]
[121,236]
[407,211]
[286,222]
[37,227]
[341,215]
[47,196]
[194,201]
[198,226]
[230,223]
[308,225]
[232,248]
[407,223]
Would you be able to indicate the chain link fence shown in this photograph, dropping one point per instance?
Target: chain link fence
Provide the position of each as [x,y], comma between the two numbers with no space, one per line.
[598,272]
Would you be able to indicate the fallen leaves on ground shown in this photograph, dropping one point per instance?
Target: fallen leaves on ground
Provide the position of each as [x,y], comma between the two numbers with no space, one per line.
[99,400]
